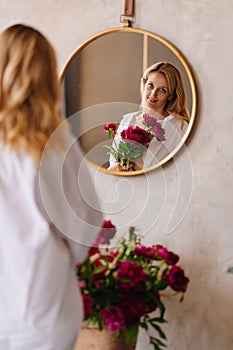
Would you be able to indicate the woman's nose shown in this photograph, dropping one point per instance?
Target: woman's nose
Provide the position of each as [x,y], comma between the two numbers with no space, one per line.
[154,92]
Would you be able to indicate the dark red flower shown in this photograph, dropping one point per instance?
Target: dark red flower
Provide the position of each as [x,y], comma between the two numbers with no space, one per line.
[110,127]
[152,305]
[87,302]
[132,311]
[106,233]
[130,274]
[169,257]
[147,252]
[113,317]
[98,278]
[93,251]
[135,134]
[111,255]
[176,279]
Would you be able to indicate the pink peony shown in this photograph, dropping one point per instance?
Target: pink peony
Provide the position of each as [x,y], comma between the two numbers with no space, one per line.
[114,318]
[150,121]
[82,284]
[159,132]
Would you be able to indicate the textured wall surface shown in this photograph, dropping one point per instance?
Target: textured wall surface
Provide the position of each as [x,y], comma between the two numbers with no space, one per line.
[187,205]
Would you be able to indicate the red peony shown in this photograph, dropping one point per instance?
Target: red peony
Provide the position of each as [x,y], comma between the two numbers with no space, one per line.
[93,251]
[169,257]
[110,127]
[152,305]
[87,302]
[130,274]
[132,311]
[114,318]
[146,252]
[106,233]
[135,134]
[176,279]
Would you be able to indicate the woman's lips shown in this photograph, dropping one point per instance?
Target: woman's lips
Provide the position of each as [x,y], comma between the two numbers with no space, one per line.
[151,100]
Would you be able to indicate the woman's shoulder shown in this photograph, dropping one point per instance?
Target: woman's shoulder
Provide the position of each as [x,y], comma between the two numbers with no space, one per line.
[176,121]
[129,116]
[15,164]
[174,125]
[126,120]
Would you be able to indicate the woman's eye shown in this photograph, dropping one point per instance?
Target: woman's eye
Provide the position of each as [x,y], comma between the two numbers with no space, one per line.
[150,85]
[163,90]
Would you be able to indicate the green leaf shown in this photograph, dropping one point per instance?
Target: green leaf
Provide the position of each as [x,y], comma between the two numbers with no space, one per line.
[131,333]
[158,319]
[159,330]
[157,343]
[181,298]
[230,269]
[144,325]
[161,308]
[99,269]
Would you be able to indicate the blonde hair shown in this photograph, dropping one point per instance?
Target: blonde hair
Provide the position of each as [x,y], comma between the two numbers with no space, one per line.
[176,104]
[29,91]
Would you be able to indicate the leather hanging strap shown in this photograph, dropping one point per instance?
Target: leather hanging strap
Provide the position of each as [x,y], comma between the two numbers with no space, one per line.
[129,8]
[128,15]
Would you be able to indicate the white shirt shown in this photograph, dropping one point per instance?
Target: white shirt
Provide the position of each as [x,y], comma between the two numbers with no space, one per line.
[40,303]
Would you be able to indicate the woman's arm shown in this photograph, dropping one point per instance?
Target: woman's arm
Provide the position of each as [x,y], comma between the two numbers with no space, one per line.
[67,198]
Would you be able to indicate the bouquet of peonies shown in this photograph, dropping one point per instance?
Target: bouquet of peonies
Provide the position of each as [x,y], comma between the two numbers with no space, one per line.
[121,286]
[134,140]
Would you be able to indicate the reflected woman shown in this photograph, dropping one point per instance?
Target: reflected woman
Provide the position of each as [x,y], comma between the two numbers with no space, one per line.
[163,97]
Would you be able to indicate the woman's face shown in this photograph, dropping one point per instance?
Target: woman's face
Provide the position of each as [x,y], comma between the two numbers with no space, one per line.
[155,93]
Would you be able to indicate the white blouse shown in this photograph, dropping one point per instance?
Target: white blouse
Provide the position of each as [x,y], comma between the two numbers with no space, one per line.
[42,236]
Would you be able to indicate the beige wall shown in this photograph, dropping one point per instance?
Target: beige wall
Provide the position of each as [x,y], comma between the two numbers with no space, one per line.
[195,190]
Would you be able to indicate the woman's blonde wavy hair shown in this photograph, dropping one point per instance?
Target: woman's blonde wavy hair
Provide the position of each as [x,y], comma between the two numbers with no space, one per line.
[176,104]
[29,91]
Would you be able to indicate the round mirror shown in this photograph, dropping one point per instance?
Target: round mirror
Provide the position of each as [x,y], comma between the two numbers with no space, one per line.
[101,84]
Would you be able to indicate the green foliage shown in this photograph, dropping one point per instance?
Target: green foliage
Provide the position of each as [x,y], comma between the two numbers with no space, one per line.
[126,152]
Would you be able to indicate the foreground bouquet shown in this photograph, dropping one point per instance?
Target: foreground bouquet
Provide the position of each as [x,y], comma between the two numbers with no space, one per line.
[122,286]
[134,140]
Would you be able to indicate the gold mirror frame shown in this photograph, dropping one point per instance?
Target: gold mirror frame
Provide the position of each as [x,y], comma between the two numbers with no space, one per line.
[179,56]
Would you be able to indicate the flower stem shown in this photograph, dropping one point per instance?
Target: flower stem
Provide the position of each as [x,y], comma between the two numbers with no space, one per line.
[114,141]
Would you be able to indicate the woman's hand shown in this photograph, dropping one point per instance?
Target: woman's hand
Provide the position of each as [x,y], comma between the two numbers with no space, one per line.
[118,167]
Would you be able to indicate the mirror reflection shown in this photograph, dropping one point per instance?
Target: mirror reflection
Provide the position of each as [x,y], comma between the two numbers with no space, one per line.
[103,84]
